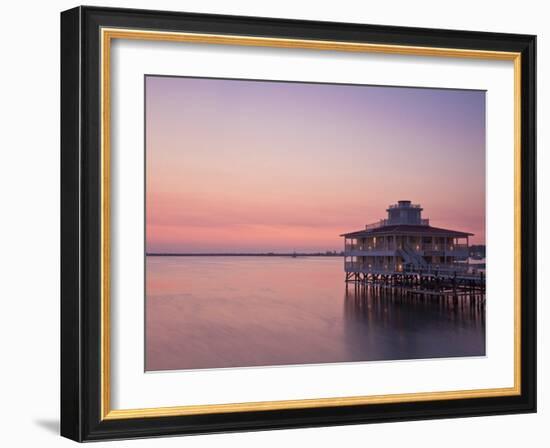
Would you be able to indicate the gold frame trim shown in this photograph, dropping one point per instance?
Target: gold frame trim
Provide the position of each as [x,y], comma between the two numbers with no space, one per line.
[107,35]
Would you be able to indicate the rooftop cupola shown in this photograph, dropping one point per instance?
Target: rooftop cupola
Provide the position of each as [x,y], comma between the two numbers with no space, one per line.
[405,213]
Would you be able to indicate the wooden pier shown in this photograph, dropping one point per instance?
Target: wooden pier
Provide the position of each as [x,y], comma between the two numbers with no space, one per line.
[377,301]
[405,253]
[431,285]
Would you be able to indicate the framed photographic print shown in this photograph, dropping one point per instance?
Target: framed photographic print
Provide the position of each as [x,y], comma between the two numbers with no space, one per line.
[273,223]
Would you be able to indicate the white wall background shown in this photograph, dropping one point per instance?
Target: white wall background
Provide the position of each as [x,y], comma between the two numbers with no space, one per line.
[29,224]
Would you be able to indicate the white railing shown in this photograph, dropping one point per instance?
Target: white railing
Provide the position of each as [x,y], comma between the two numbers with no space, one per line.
[444,247]
[445,269]
[440,269]
[417,248]
[405,206]
[365,267]
[387,222]
[376,225]
[366,248]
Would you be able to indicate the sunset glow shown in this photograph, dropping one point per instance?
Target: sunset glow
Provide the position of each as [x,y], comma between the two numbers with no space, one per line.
[250,166]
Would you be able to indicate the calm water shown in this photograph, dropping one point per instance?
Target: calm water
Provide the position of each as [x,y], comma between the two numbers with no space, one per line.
[207,312]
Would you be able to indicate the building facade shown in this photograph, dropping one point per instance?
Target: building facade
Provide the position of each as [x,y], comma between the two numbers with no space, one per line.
[404,242]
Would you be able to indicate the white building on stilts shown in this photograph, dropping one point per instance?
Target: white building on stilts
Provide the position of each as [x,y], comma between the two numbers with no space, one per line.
[405,242]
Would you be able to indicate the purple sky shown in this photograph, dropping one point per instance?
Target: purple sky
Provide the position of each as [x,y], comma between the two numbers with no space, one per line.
[273,166]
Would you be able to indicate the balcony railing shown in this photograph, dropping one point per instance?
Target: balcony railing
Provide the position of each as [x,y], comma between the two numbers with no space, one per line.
[449,248]
[445,269]
[448,269]
[404,206]
[444,247]
[365,267]
[387,222]
[367,248]
[376,225]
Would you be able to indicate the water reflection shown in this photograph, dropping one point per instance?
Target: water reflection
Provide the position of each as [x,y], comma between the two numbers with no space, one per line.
[211,312]
[386,324]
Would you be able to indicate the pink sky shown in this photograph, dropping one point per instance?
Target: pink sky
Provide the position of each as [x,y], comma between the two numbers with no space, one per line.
[248,166]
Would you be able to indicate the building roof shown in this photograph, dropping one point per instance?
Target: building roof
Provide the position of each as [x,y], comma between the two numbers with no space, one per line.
[406,229]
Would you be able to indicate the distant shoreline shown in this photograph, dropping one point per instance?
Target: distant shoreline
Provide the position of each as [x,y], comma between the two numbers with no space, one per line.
[268,254]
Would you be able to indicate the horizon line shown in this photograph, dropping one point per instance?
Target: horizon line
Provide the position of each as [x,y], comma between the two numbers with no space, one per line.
[226,254]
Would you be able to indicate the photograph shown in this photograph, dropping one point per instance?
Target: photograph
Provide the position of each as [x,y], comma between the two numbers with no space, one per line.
[293,223]
[283,221]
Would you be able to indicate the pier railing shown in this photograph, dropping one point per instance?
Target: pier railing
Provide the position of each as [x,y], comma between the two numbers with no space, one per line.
[356,266]
[425,247]
[447,270]
[444,269]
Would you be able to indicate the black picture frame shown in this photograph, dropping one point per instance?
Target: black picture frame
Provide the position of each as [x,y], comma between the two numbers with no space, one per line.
[81,224]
